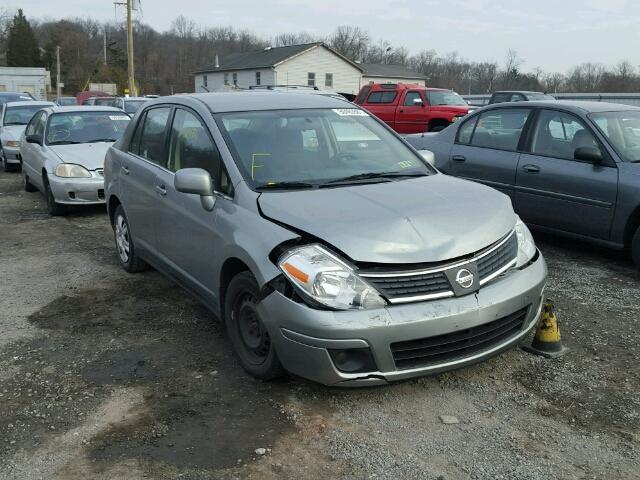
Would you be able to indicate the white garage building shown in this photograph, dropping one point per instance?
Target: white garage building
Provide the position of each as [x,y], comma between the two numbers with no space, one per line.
[33,80]
[311,64]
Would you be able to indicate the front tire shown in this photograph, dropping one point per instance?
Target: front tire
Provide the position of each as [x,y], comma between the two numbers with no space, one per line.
[55,209]
[635,248]
[7,167]
[28,186]
[249,336]
[127,254]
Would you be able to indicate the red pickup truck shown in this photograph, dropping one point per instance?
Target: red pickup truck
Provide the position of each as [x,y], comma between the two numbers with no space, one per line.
[412,108]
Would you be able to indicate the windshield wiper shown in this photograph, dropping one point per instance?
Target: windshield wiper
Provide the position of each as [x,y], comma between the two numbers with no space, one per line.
[11,124]
[374,176]
[64,142]
[284,185]
[96,140]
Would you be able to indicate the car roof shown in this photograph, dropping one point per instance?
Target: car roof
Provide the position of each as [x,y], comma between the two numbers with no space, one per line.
[29,103]
[575,106]
[257,100]
[519,91]
[82,108]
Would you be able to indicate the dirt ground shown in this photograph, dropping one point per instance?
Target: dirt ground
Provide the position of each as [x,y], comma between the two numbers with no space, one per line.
[106,375]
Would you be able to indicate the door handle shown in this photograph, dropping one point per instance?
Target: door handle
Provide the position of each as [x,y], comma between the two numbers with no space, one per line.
[161,189]
[458,158]
[401,110]
[125,169]
[531,168]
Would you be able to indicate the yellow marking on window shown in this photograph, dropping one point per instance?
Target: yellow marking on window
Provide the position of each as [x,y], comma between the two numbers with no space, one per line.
[253,162]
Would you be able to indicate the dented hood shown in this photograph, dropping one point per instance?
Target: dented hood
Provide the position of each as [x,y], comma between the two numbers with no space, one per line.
[426,219]
[89,155]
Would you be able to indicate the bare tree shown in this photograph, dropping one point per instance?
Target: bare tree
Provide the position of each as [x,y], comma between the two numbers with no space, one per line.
[350,41]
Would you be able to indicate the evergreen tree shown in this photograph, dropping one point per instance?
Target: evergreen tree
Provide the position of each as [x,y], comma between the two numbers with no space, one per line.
[22,46]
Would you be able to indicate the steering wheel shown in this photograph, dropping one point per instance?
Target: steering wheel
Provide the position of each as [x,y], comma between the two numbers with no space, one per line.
[60,134]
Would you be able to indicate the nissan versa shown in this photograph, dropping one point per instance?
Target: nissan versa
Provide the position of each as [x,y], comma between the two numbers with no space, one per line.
[326,243]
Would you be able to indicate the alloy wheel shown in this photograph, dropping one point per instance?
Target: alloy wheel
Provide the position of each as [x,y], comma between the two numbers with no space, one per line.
[122,238]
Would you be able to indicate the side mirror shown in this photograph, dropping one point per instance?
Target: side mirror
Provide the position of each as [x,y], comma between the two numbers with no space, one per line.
[198,182]
[34,139]
[428,156]
[418,101]
[588,154]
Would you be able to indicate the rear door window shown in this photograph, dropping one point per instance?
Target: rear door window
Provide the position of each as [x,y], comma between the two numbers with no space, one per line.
[381,97]
[152,141]
[500,128]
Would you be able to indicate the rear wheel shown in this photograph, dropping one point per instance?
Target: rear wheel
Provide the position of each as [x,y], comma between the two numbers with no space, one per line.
[28,186]
[55,208]
[247,331]
[635,248]
[127,254]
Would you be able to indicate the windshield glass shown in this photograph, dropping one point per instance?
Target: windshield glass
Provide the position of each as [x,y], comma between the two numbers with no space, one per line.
[86,127]
[132,106]
[67,101]
[108,102]
[314,147]
[622,129]
[14,97]
[445,98]
[20,115]
[536,97]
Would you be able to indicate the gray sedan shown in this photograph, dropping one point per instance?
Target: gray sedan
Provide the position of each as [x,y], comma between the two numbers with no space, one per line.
[63,150]
[571,168]
[326,244]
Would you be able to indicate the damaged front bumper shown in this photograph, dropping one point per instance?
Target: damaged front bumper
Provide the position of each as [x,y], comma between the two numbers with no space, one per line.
[409,340]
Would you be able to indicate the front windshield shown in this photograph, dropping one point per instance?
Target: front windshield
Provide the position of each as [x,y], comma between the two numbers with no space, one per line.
[20,115]
[538,97]
[445,98]
[86,127]
[107,102]
[316,147]
[132,106]
[622,129]
[67,102]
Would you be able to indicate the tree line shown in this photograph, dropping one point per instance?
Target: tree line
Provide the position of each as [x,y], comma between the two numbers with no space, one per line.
[165,60]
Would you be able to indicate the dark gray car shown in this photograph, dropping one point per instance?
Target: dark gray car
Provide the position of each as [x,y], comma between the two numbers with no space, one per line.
[569,167]
[325,243]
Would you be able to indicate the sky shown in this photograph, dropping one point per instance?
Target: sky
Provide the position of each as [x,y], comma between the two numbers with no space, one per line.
[550,34]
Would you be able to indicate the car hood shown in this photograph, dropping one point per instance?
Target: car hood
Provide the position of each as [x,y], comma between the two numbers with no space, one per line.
[12,132]
[426,219]
[89,155]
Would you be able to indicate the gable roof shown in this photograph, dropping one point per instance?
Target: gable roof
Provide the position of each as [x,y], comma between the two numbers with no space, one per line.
[266,58]
[392,71]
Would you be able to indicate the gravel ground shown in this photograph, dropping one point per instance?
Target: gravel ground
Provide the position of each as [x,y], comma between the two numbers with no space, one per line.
[106,375]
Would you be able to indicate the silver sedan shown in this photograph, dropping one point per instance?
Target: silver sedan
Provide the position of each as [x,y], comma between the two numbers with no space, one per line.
[63,150]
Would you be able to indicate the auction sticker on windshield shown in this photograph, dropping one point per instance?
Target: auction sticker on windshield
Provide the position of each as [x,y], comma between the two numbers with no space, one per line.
[350,112]
[119,117]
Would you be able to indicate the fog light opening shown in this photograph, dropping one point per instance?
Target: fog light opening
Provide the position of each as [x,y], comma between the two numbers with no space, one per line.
[72,195]
[353,360]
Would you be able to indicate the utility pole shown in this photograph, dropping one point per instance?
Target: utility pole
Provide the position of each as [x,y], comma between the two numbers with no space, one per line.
[58,86]
[104,45]
[132,78]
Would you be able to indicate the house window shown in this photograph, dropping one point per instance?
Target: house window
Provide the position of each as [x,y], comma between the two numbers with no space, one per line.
[235,79]
[311,79]
[205,81]
[257,78]
[328,80]
[226,79]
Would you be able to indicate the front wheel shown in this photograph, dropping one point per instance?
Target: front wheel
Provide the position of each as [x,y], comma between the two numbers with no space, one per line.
[127,254]
[247,331]
[7,167]
[635,248]
[54,208]
[28,186]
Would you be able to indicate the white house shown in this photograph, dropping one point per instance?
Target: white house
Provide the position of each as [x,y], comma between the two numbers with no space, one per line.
[310,64]
[33,80]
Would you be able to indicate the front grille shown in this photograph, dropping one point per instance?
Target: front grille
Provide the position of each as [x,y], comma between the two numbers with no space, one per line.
[445,348]
[498,258]
[415,285]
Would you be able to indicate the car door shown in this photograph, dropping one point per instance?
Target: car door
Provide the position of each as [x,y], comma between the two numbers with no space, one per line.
[33,154]
[486,147]
[554,189]
[147,155]
[411,117]
[188,235]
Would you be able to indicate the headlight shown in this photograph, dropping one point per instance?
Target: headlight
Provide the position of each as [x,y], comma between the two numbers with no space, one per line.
[12,143]
[326,279]
[72,170]
[526,245]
